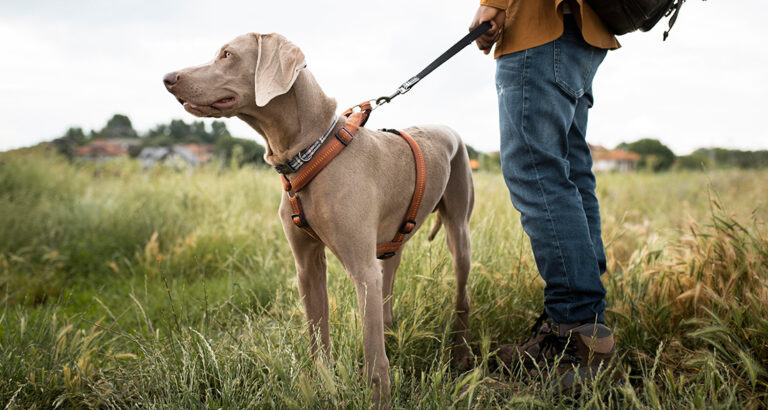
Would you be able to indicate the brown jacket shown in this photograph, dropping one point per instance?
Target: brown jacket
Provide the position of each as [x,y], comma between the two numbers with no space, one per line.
[531,23]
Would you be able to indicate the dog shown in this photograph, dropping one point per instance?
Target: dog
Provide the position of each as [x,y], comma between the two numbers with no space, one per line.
[355,202]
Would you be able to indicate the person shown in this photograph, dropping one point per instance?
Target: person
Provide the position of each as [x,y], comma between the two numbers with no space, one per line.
[547,53]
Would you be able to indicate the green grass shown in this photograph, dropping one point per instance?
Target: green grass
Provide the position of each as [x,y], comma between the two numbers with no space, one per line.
[163,289]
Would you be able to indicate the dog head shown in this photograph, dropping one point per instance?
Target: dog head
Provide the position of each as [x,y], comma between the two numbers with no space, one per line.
[250,70]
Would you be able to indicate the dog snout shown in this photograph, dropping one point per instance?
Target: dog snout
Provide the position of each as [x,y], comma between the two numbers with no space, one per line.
[170,79]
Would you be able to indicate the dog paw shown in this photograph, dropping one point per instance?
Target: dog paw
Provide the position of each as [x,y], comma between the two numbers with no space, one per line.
[463,358]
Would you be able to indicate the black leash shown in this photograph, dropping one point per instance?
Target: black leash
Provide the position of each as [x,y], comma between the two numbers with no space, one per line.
[406,86]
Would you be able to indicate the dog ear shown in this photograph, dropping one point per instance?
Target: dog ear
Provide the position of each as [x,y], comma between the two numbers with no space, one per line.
[278,65]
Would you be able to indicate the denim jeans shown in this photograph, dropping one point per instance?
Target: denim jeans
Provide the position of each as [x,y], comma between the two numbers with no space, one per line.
[544,96]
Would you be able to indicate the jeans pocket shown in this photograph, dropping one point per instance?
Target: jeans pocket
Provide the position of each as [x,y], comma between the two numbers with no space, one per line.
[575,65]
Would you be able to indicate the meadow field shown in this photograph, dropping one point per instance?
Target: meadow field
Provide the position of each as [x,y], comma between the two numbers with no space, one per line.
[122,287]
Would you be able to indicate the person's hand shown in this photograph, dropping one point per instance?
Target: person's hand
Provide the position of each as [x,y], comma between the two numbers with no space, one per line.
[496,17]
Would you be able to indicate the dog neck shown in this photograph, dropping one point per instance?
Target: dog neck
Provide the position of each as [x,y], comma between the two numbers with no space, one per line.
[292,121]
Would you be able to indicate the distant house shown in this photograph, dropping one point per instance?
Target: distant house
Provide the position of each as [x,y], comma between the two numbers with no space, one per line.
[201,153]
[618,160]
[177,155]
[101,149]
[152,155]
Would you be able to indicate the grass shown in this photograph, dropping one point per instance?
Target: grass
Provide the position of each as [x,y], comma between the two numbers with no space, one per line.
[163,289]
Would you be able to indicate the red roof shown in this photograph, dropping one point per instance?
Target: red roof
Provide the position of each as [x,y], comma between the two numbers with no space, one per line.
[602,153]
[617,154]
[102,148]
[203,152]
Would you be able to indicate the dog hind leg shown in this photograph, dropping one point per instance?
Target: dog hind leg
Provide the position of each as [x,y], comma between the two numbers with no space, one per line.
[455,210]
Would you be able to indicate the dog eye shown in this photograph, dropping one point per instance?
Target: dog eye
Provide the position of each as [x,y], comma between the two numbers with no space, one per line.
[227,54]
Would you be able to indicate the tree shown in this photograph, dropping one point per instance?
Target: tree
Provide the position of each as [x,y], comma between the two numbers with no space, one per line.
[219,129]
[119,126]
[486,161]
[491,161]
[471,152]
[66,144]
[243,151]
[693,162]
[723,158]
[230,149]
[178,130]
[654,155]
[158,130]
[76,135]
[198,133]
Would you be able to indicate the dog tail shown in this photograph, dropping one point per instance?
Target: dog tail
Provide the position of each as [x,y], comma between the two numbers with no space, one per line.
[435,228]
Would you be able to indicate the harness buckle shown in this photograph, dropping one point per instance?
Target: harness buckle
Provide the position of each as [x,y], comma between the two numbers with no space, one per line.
[299,220]
[391,131]
[342,140]
[385,255]
[407,226]
[284,169]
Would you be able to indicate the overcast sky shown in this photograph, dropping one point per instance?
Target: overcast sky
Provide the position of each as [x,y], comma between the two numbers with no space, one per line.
[77,62]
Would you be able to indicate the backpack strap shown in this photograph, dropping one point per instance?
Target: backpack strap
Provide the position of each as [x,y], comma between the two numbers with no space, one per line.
[676,7]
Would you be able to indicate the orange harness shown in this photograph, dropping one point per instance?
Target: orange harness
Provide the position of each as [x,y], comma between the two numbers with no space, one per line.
[329,151]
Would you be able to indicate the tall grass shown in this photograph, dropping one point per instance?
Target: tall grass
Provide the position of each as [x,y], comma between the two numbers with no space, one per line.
[129,288]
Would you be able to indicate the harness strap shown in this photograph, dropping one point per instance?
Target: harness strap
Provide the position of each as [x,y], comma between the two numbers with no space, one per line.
[298,216]
[308,172]
[388,249]
[319,161]
[327,153]
[365,111]
[355,120]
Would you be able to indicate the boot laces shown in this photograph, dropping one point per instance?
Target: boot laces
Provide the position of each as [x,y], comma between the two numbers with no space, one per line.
[550,344]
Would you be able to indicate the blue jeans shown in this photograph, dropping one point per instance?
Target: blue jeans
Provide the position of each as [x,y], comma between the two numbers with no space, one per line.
[544,96]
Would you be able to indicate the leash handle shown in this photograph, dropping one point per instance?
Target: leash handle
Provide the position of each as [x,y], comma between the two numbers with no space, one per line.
[465,41]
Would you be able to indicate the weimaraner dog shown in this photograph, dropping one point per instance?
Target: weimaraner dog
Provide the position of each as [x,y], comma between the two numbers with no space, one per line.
[357,201]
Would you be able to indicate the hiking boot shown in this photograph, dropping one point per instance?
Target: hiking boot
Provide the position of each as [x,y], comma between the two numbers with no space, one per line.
[583,349]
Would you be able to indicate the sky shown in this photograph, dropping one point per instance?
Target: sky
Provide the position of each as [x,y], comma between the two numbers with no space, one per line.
[78,62]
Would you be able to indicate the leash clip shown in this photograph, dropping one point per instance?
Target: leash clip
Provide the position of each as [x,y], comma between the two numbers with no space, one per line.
[404,88]
[408,85]
[383,100]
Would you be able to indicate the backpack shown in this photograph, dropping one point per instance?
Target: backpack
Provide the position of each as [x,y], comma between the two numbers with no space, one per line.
[625,16]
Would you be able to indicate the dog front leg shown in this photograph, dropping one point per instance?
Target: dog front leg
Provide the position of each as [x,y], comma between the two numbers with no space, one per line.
[309,257]
[368,284]
[389,270]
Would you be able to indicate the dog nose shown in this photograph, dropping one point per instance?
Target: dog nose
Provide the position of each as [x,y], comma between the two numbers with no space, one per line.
[171,79]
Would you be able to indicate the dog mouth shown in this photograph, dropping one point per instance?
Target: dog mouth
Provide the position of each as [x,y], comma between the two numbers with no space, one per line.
[221,104]
[226,102]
